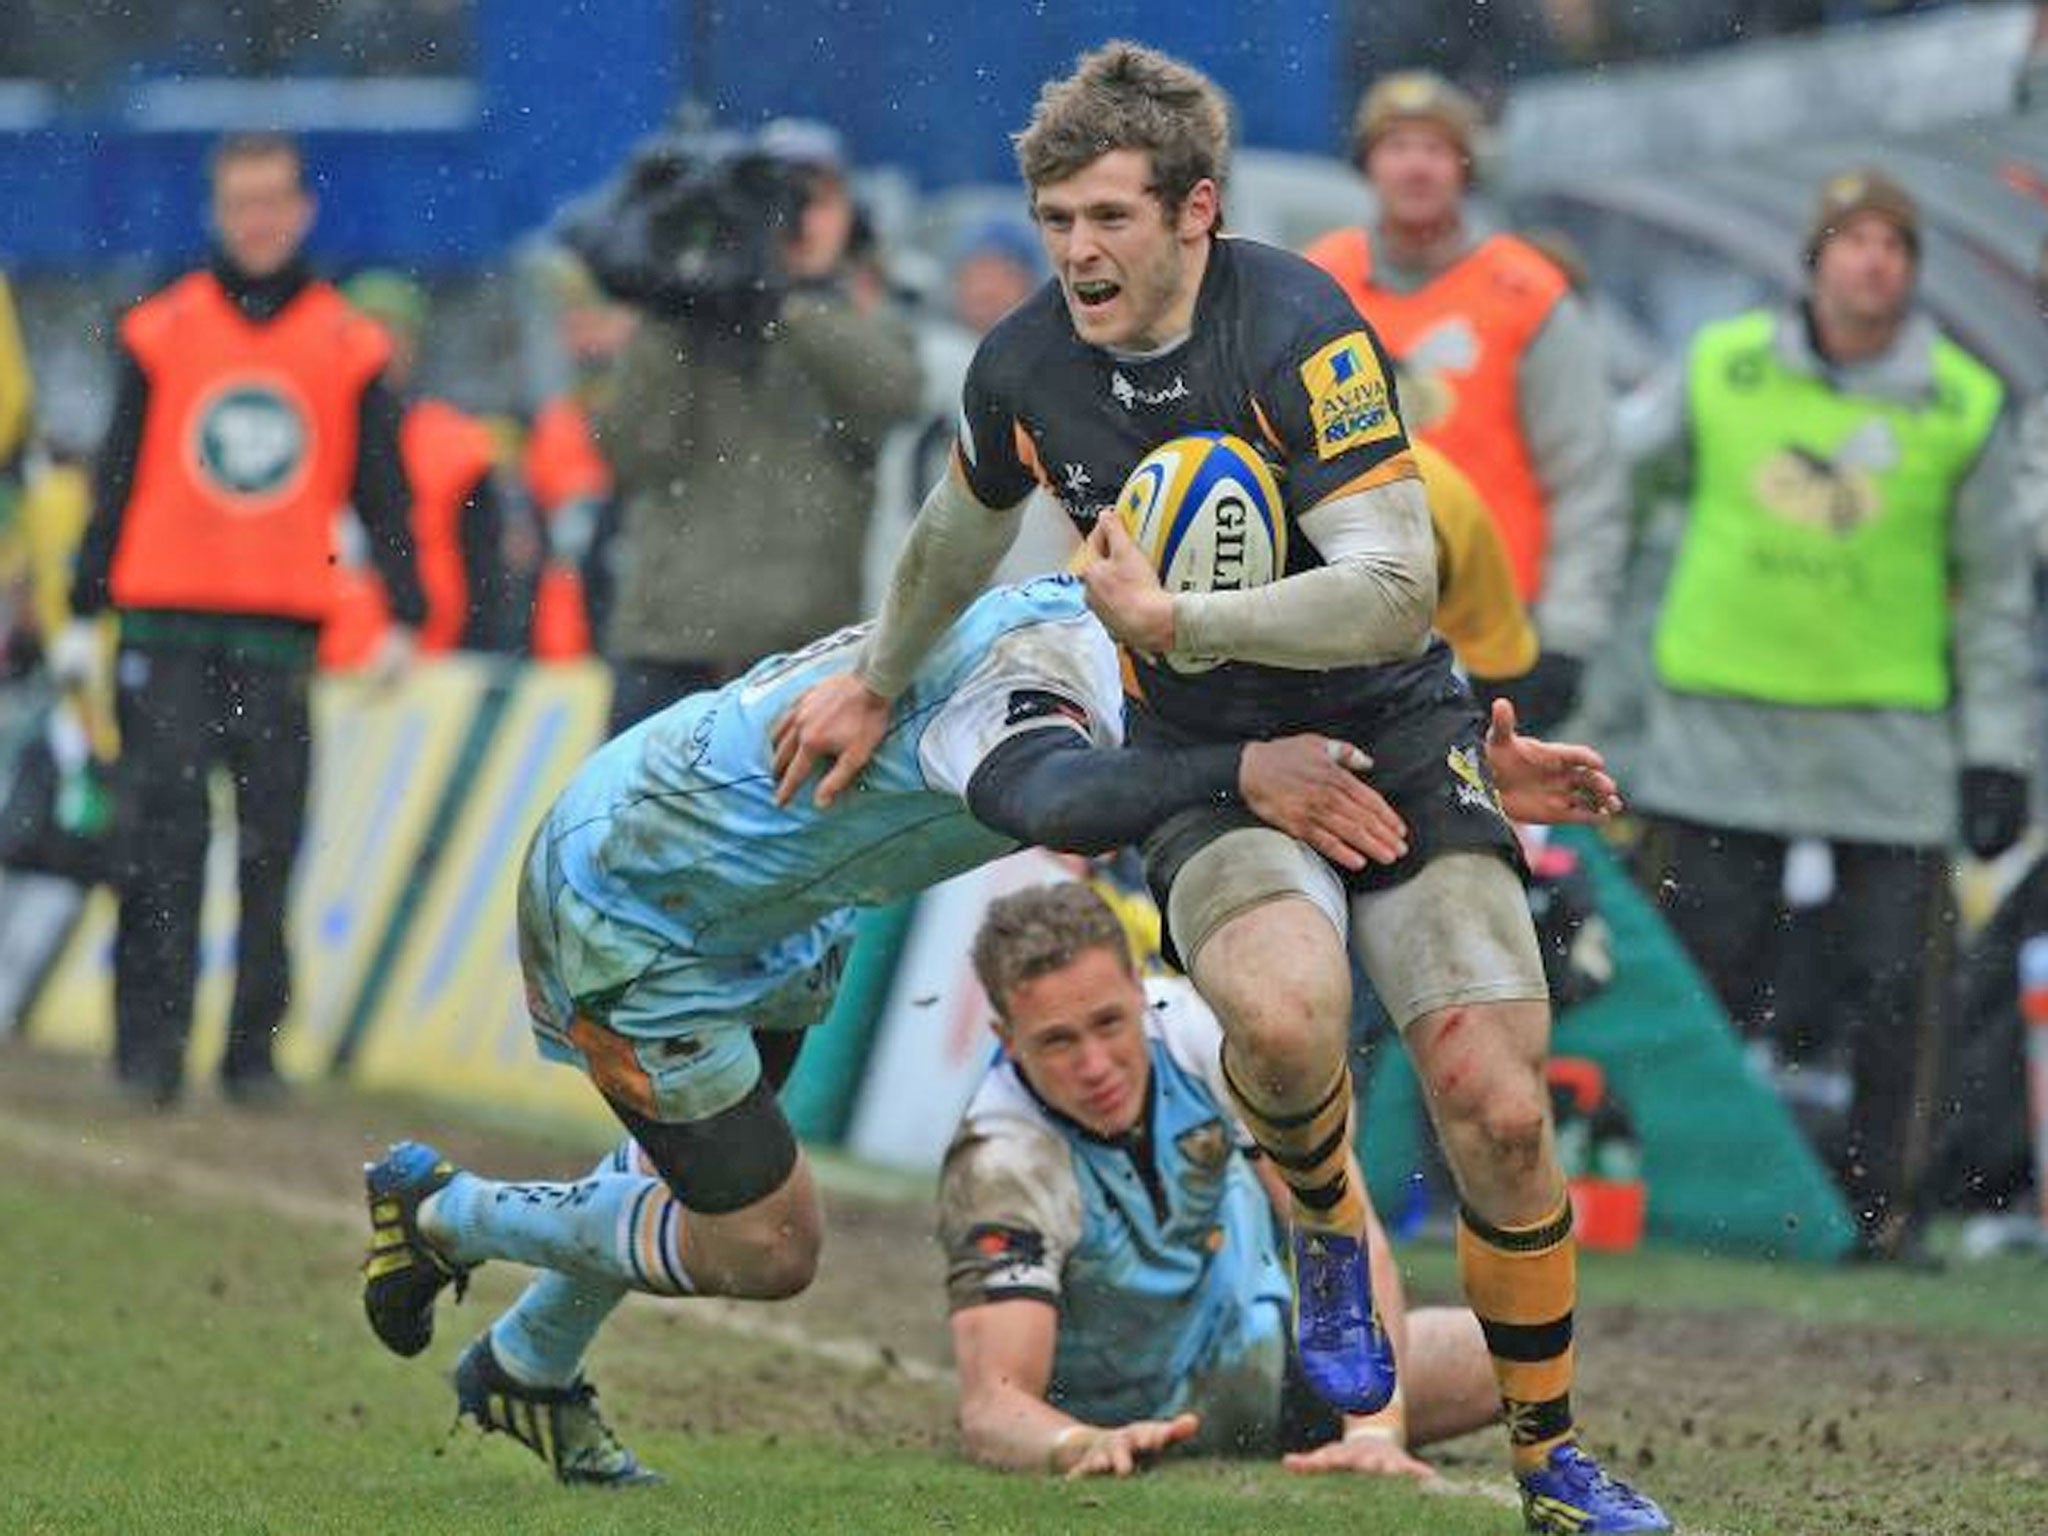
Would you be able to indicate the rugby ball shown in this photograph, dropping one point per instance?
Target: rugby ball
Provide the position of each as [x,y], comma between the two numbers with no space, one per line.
[1205,510]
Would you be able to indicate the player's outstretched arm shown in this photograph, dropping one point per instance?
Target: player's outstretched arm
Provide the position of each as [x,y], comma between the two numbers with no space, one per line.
[1052,788]
[1126,1448]
[1547,781]
[1003,1351]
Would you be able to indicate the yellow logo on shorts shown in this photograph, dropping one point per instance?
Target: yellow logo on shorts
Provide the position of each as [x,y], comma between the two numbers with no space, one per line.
[1474,789]
[1348,401]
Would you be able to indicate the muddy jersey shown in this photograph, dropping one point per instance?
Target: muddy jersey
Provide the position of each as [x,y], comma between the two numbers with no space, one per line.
[1278,356]
[671,831]
[1158,1250]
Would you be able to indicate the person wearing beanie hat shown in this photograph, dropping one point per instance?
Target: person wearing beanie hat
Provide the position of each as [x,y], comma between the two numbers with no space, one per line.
[457,519]
[1416,97]
[1842,674]
[1507,379]
[1851,195]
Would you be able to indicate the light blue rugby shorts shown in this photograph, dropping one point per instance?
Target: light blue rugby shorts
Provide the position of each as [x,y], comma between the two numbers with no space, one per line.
[668,1032]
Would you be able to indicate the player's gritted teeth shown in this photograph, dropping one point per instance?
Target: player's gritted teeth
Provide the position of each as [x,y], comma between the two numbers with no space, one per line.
[1094,292]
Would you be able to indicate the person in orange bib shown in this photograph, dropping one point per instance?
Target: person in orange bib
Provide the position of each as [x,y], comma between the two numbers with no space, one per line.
[1501,370]
[457,520]
[249,410]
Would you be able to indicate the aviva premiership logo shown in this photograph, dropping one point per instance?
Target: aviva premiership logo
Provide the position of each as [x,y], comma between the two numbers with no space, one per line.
[1347,396]
[251,441]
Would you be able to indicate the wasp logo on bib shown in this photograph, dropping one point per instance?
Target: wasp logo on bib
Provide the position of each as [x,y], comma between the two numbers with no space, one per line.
[252,441]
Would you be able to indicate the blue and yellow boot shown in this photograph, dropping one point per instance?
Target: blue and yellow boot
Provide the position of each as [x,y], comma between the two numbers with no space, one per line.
[1572,1496]
[402,1274]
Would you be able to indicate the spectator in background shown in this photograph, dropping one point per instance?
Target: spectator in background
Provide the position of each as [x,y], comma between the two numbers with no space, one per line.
[1501,371]
[566,478]
[17,391]
[250,407]
[2030,468]
[746,462]
[995,266]
[1842,669]
[18,633]
[457,520]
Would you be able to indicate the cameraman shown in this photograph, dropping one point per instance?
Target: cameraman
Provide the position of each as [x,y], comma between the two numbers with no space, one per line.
[744,440]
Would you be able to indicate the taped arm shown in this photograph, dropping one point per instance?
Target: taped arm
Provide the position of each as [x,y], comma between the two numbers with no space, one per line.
[952,551]
[1052,788]
[1372,601]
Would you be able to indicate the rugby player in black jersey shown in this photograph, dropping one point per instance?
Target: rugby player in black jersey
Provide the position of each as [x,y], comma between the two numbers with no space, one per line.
[1154,325]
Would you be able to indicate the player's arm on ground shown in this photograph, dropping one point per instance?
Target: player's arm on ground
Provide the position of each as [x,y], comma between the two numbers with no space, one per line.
[1008,1213]
[1003,1351]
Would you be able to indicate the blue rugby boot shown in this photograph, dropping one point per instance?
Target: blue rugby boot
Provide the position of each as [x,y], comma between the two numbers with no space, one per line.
[560,1425]
[1345,1353]
[402,1274]
[1572,1496]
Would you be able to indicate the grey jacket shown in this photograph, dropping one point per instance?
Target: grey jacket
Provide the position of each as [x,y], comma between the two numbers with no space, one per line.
[1868,775]
[747,481]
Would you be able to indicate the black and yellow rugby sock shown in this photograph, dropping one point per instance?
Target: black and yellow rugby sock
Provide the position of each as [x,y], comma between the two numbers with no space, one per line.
[1523,1283]
[1311,1150]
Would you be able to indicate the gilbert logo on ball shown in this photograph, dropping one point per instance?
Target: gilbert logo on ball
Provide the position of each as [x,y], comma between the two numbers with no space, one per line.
[1205,510]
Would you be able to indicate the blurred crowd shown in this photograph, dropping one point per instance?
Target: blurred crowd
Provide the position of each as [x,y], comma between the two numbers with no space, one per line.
[1838,697]
[1486,48]
[1483,47]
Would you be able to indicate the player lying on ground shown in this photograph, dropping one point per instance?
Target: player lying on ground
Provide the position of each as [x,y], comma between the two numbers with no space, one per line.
[1116,1277]
[678,930]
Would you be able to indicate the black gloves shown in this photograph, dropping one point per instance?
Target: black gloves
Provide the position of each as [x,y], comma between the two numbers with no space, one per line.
[1545,694]
[1994,810]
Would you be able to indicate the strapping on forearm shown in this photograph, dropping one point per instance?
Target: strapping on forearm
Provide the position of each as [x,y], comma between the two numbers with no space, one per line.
[1371,602]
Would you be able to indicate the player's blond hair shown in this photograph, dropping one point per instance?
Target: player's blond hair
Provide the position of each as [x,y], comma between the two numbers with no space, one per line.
[1127,96]
[1040,930]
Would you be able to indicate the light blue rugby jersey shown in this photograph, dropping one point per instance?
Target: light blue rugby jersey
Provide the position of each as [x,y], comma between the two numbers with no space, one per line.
[673,827]
[1155,1292]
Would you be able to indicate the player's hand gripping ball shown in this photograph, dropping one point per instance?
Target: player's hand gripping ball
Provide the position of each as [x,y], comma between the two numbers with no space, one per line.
[1205,510]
